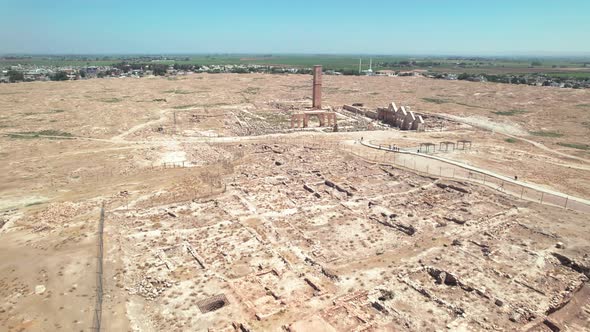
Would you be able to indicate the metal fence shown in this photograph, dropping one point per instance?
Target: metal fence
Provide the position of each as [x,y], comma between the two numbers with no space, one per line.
[97,320]
[425,165]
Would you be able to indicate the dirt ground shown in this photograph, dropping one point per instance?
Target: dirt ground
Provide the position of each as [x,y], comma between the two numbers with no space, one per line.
[220,216]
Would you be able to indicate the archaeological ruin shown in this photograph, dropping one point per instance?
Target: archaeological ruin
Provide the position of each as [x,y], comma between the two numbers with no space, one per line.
[246,202]
[301,120]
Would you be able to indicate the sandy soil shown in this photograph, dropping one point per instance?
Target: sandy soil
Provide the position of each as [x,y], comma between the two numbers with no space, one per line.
[240,205]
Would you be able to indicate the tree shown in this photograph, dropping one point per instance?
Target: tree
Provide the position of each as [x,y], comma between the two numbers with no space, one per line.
[15,76]
[239,70]
[463,76]
[59,76]
[159,69]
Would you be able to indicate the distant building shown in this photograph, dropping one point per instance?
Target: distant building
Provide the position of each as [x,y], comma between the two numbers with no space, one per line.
[91,71]
[385,72]
[137,72]
[478,78]
[369,72]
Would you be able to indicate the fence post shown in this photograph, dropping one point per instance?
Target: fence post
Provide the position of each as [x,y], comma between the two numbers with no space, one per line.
[566,199]
[97,320]
[542,194]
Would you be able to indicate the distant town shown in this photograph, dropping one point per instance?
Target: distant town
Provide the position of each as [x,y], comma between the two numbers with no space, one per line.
[149,66]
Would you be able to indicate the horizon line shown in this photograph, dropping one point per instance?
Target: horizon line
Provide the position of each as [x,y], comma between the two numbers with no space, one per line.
[481,55]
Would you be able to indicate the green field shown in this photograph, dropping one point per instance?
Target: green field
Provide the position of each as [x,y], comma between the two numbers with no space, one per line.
[55,62]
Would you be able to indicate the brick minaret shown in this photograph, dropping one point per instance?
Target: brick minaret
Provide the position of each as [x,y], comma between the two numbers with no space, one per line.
[317,87]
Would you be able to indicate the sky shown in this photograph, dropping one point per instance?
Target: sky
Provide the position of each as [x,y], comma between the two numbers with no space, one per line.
[411,27]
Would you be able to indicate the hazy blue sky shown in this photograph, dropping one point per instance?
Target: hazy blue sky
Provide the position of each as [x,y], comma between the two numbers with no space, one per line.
[507,27]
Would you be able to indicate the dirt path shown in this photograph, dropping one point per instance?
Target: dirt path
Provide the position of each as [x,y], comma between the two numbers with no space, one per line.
[508,131]
[230,139]
[545,148]
[140,126]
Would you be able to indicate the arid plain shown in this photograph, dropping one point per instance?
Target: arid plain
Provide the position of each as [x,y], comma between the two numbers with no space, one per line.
[220,216]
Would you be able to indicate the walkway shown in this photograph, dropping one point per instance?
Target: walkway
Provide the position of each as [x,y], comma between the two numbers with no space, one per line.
[566,200]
